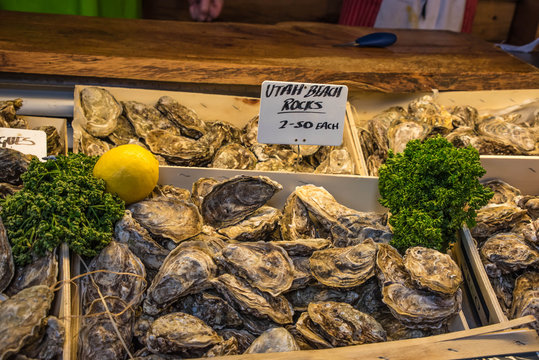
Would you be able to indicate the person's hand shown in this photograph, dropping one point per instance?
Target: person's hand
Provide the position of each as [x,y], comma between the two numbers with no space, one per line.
[205,10]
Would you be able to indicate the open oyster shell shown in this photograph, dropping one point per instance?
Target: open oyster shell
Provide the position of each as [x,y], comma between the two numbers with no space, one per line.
[433,270]
[100,109]
[264,265]
[234,199]
[273,340]
[344,267]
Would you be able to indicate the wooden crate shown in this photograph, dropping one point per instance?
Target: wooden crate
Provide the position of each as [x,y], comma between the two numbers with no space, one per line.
[235,110]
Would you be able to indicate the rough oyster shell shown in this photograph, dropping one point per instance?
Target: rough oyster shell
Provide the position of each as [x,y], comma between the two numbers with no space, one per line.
[273,340]
[227,347]
[419,309]
[7,266]
[507,132]
[401,132]
[21,317]
[264,265]
[130,232]
[201,188]
[124,133]
[115,259]
[233,156]
[169,191]
[354,229]
[342,325]
[244,338]
[180,333]
[252,300]
[302,247]
[503,192]
[54,142]
[390,266]
[90,145]
[344,267]
[98,336]
[310,334]
[234,199]
[295,222]
[464,116]
[250,132]
[173,219]
[13,164]
[302,273]
[509,252]
[184,271]
[526,297]
[43,271]
[50,345]
[258,226]
[186,119]
[211,309]
[177,149]
[8,114]
[145,118]
[301,298]
[8,189]
[433,270]
[425,110]
[531,204]
[496,218]
[339,161]
[100,109]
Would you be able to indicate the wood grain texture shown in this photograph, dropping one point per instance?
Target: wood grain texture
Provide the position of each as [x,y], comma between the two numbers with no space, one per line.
[247,54]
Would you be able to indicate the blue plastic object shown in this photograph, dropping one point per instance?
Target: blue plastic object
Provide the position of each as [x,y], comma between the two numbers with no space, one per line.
[377,39]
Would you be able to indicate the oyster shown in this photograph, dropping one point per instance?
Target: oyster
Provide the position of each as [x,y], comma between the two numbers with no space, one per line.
[509,252]
[295,222]
[227,347]
[181,334]
[432,270]
[176,220]
[338,162]
[425,110]
[390,266]
[301,298]
[8,114]
[303,247]
[98,336]
[177,149]
[464,116]
[344,267]
[302,273]
[342,325]
[243,337]
[526,297]
[419,309]
[50,345]
[258,226]
[273,340]
[7,267]
[253,301]
[211,309]
[54,142]
[100,109]
[139,241]
[169,191]
[185,270]
[112,264]
[8,189]
[496,218]
[507,132]
[249,135]
[13,164]
[124,133]
[233,156]
[233,200]
[43,271]
[186,119]
[400,132]
[309,334]
[354,229]
[264,265]
[145,118]
[201,188]
[503,192]
[21,317]
[90,145]
[531,204]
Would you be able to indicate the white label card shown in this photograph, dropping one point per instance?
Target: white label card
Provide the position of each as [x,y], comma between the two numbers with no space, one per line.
[33,142]
[301,113]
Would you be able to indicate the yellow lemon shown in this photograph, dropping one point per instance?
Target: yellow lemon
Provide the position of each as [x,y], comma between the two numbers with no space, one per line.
[129,171]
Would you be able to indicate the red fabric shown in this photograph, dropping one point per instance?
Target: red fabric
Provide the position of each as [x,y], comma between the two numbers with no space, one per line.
[469,14]
[359,12]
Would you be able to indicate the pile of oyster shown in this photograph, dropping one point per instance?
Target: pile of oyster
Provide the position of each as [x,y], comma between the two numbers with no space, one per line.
[507,234]
[26,294]
[510,133]
[9,119]
[177,136]
[217,271]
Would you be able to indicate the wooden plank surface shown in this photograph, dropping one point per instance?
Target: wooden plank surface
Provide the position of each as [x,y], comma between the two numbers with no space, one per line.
[247,54]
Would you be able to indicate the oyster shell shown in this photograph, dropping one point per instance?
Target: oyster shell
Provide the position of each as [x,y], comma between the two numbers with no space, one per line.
[124,133]
[180,333]
[273,340]
[8,114]
[433,270]
[354,229]
[250,132]
[98,336]
[177,149]
[302,273]
[301,298]
[184,271]
[227,347]
[295,222]
[233,200]
[145,118]
[390,266]
[526,297]
[310,333]
[21,317]
[186,119]
[503,192]
[531,204]
[115,260]
[201,188]
[90,145]
[342,325]
[54,142]
[419,309]
[339,161]
[173,219]
[507,132]
[7,266]
[169,191]
[100,109]
[509,252]
[464,116]
[425,110]
[8,189]
[13,164]
[496,218]
[253,301]
[50,345]
[233,156]
[258,226]
[264,265]
[344,267]
[43,271]
[130,232]
[400,132]
[302,247]
[211,309]
[244,338]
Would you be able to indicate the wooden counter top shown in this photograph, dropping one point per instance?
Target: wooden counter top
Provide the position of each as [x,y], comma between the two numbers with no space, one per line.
[247,54]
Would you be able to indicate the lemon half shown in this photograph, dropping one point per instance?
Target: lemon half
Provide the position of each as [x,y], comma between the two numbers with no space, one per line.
[129,171]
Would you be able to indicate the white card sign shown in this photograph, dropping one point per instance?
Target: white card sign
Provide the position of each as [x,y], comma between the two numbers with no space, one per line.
[301,113]
[33,142]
